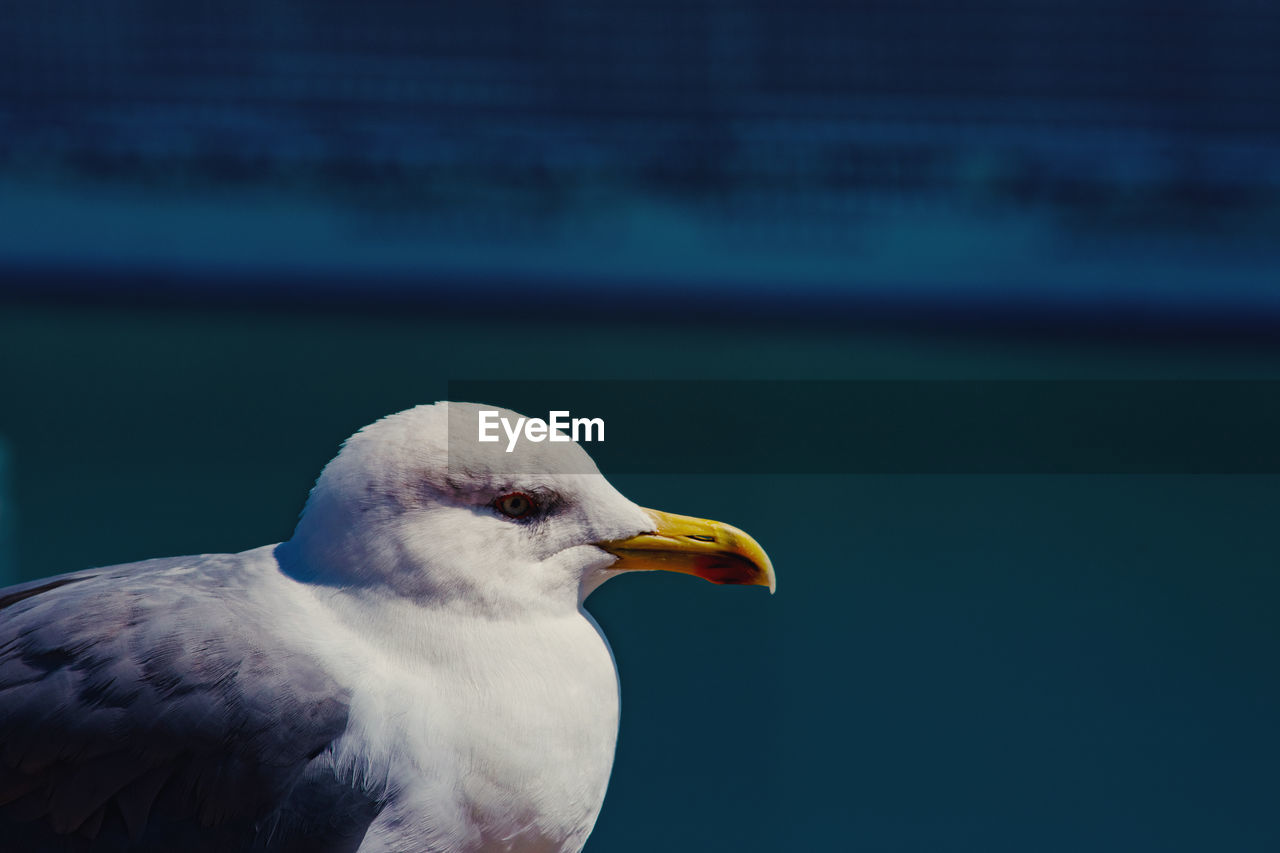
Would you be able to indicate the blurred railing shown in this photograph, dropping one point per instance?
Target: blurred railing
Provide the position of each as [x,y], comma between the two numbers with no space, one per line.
[1095,153]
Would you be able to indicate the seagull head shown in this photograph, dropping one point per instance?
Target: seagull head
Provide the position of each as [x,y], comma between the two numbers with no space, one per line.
[416,506]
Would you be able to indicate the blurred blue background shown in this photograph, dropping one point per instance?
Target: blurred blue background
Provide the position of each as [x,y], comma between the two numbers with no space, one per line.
[231,234]
[1021,154]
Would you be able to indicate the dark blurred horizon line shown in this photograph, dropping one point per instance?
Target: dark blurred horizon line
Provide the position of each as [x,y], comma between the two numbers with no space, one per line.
[648,300]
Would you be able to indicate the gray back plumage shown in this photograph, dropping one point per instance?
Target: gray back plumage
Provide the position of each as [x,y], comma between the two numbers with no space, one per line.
[151,706]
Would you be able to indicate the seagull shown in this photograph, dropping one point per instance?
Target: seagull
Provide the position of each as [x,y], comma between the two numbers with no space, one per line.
[412,671]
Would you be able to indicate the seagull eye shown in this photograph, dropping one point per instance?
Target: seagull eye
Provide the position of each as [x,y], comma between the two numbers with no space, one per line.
[516,505]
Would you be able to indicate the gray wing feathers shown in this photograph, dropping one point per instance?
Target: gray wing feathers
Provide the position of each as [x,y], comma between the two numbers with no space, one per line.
[151,696]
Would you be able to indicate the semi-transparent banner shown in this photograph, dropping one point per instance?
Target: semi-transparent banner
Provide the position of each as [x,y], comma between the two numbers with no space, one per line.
[878,427]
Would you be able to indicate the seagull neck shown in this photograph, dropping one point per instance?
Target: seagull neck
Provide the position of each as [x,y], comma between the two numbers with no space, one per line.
[298,563]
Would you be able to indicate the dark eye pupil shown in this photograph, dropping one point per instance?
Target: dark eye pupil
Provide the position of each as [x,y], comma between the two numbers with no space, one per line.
[515,505]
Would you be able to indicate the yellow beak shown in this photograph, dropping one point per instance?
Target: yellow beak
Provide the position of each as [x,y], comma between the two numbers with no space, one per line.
[711,550]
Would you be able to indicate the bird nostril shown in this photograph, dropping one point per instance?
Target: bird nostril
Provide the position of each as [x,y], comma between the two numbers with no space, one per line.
[701,538]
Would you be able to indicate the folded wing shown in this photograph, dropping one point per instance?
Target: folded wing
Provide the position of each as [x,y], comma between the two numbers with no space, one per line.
[153,707]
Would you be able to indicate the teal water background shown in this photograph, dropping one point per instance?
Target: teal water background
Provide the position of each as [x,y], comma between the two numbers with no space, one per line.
[959,662]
